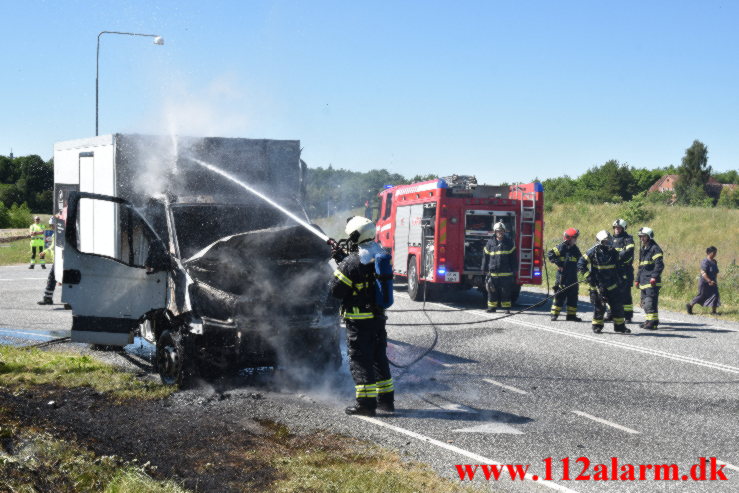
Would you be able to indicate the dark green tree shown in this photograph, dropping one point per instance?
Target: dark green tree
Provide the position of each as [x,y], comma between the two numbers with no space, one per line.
[694,173]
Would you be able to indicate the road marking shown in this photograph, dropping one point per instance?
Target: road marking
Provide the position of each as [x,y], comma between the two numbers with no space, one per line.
[606,422]
[475,457]
[602,340]
[492,428]
[13,332]
[507,387]
[446,404]
[726,464]
[437,362]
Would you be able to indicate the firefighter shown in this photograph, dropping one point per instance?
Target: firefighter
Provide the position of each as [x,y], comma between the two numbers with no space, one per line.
[624,245]
[499,263]
[565,256]
[354,284]
[649,280]
[602,261]
[36,232]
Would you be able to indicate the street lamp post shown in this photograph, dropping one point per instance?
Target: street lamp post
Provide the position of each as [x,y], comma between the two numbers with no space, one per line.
[158,40]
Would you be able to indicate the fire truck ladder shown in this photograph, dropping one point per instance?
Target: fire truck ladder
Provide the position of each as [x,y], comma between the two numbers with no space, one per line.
[528,231]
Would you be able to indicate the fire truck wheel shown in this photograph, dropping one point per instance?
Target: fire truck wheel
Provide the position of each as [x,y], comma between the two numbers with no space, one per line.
[415,288]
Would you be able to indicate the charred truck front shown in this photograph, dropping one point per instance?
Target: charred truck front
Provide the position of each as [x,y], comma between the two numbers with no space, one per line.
[154,243]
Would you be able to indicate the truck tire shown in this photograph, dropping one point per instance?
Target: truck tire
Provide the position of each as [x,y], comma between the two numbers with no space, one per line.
[171,362]
[415,289]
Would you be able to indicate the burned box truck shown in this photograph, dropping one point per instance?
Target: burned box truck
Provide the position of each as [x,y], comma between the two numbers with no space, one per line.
[152,241]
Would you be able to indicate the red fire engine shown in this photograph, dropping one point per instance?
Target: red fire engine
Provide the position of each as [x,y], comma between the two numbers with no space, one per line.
[437,230]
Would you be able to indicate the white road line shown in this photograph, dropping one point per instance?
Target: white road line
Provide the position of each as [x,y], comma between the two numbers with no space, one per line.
[445,404]
[605,422]
[606,341]
[477,458]
[437,362]
[727,465]
[12,332]
[507,387]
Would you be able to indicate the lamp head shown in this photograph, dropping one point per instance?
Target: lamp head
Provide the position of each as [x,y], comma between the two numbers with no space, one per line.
[159,40]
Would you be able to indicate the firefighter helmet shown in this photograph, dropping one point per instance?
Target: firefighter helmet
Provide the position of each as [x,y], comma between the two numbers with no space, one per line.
[360,229]
[621,223]
[645,231]
[571,233]
[499,226]
[604,237]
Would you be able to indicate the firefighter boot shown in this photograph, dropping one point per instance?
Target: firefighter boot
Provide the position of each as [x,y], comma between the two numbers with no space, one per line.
[363,407]
[573,318]
[31,266]
[621,328]
[386,402]
[46,301]
[597,328]
[43,266]
[554,318]
[649,325]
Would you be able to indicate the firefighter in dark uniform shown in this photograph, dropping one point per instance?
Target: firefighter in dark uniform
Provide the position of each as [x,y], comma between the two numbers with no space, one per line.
[353,283]
[602,262]
[649,280]
[624,245]
[499,263]
[565,256]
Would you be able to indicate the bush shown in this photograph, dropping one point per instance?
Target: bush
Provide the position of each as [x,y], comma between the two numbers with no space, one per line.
[635,211]
[4,216]
[20,216]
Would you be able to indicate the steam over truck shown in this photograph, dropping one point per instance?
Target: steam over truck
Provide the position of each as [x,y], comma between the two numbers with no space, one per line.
[152,243]
[437,230]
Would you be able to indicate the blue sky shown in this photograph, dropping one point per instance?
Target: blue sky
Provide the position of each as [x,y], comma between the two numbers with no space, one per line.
[507,91]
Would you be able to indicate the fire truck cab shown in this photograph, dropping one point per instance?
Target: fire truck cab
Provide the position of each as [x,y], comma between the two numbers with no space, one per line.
[437,230]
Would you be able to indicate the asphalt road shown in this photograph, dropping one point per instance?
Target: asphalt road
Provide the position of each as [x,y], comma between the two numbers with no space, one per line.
[511,391]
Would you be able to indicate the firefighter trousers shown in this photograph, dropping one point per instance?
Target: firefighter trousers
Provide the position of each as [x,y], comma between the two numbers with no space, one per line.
[569,294]
[612,297]
[500,289]
[368,363]
[650,303]
[50,284]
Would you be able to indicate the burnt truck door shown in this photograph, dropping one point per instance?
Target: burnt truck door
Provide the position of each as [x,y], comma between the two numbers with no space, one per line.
[114,269]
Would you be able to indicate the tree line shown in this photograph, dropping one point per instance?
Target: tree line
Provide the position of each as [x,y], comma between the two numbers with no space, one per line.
[26,184]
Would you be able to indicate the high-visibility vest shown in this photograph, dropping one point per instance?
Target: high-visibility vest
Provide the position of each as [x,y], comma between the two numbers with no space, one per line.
[38,239]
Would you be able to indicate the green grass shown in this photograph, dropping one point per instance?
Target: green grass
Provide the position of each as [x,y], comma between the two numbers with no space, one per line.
[40,462]
[684,233]
[15,252]
[22,368]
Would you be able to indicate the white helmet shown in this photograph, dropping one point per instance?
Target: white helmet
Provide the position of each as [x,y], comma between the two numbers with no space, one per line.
[499,226]
[604,237]
[621,223]
[645,231]
[360,229]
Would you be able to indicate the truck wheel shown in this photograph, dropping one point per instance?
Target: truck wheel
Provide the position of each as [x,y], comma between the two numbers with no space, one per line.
[415,289]
[170,358]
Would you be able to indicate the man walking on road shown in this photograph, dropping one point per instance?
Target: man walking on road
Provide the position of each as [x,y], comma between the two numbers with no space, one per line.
[565,256]
[649,278]
[36,232]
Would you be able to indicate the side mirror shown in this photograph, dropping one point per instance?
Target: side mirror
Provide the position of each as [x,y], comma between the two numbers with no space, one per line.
[157,259]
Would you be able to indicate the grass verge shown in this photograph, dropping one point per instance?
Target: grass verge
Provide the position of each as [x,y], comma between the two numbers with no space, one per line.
[31,461]
[325,463]
[22,368]
[15,252]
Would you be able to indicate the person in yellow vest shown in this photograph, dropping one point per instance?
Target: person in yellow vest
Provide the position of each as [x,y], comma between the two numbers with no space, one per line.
[36,232]
[48,256]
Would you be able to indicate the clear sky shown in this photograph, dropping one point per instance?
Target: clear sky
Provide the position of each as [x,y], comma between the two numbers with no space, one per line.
[507,91]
